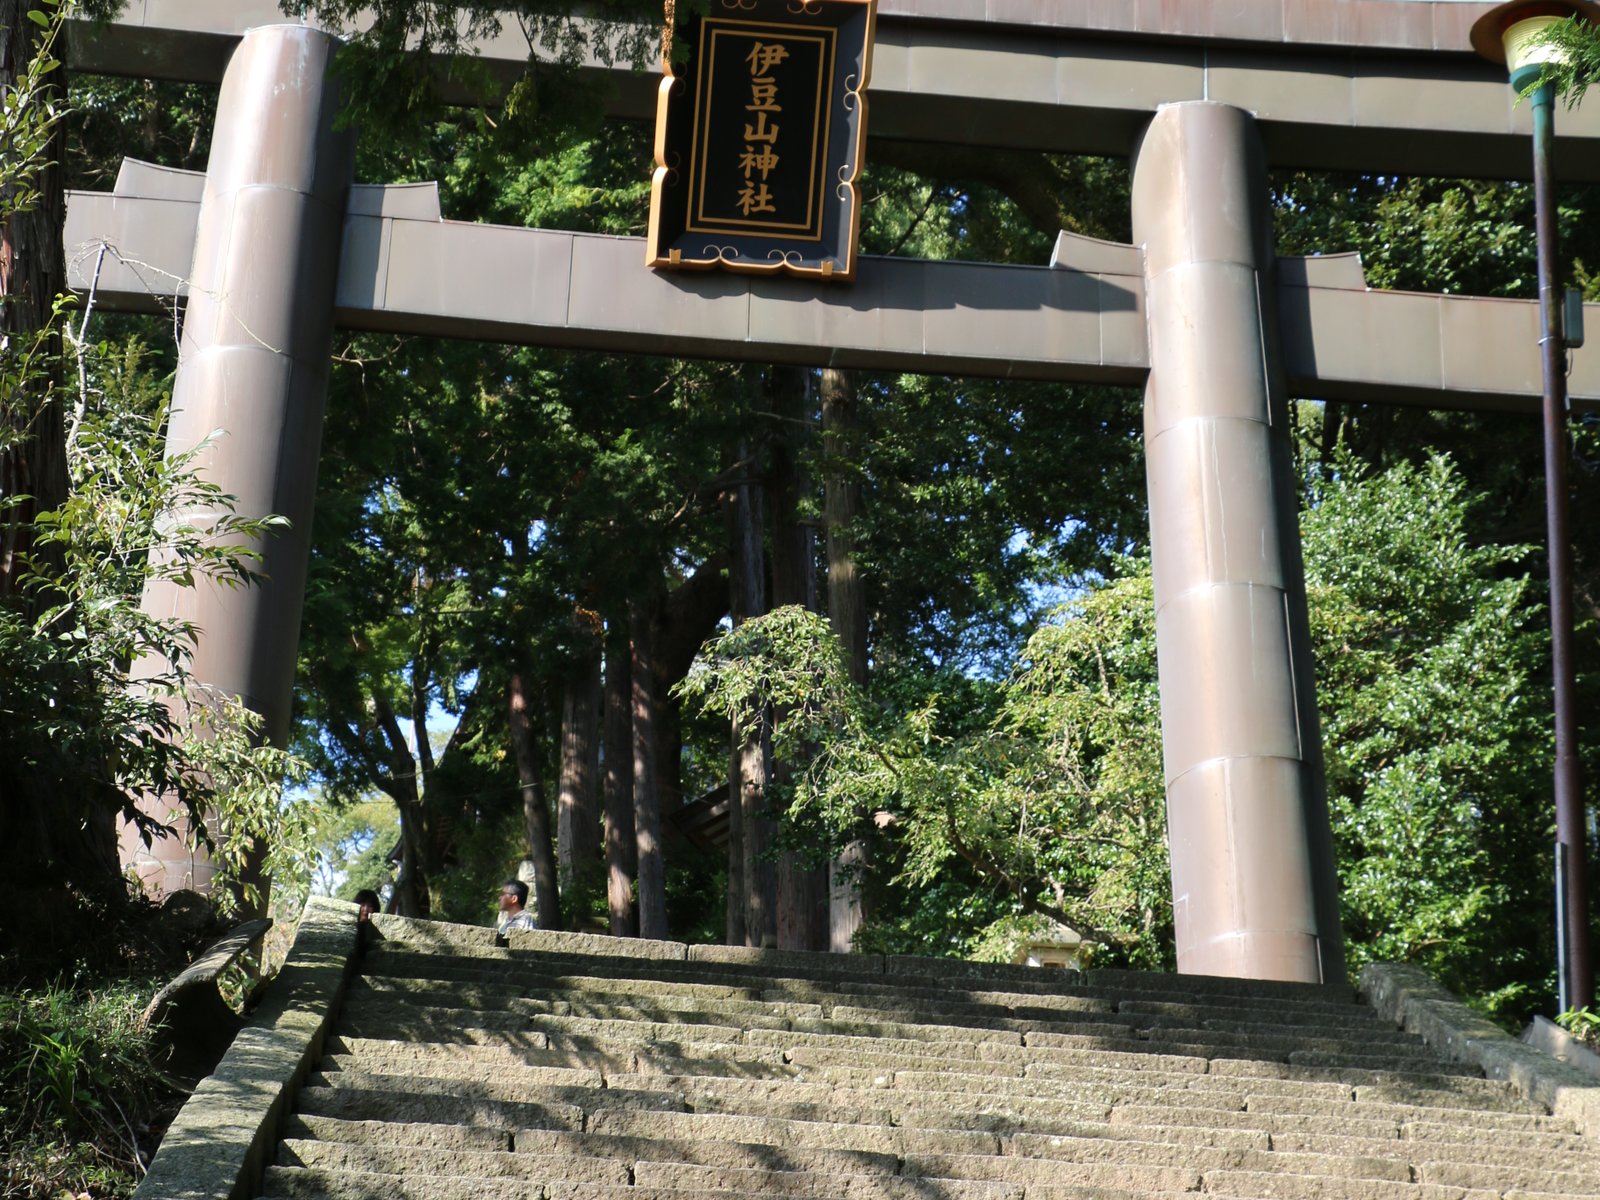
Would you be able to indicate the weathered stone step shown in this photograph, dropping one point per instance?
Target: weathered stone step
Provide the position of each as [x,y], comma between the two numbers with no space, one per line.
[853,970]
[421,1135]
[1050,993]
[684,1177]
[1038,1047]
[1507,1176]
[604,1054]
[499,1087]
[385,1104]
[1350,1018]
[476,1164]
[594,1191]
[903,1104]
[1436,1074]
[1372,1122]
[303,1183]
[506,1074]
[1362,1029]
[707,1153]
[1487,1149]
[1264,1040]
[1109,1153]
[584,993]
[1318,1187]
[1403,1113]
[882,1139]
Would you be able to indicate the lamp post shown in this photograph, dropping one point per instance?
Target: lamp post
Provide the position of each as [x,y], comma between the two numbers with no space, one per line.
[1510,33]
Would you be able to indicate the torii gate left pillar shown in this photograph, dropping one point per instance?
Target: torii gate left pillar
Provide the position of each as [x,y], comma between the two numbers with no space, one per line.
[253,376]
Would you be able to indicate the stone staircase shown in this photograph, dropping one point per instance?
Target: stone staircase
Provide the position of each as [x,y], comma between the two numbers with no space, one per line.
[587,1068]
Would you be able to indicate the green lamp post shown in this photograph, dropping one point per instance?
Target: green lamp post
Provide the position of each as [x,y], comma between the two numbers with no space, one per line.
[1511,33]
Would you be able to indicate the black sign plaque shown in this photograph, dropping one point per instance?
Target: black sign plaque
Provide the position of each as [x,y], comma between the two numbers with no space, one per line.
[759,133]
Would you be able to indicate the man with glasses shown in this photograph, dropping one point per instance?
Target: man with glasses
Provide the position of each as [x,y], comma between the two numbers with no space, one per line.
[513,909]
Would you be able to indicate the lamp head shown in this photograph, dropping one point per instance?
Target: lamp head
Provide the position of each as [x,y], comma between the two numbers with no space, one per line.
[1509,33]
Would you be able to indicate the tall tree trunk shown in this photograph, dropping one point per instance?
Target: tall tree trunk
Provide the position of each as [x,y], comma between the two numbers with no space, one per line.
[847,613]
[621,847]
[577,802]
[50,834]
[652,879]
[735,898]
[751,759]
[404,783]
[535,805]
[801,889]
[33,468]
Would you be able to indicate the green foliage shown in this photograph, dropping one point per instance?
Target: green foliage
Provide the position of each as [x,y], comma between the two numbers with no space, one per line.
[1572,71]
[30,110]
[1583,1024]
[1041,787]
[1437,749]
[1046,789]
[76,1077]
[68,710]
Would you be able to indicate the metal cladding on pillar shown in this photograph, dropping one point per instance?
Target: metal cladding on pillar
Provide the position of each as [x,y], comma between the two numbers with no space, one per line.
[253,365]
[1253,883]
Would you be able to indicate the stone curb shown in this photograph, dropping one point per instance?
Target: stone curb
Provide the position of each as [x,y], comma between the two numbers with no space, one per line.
[221,1141]
[1411,999]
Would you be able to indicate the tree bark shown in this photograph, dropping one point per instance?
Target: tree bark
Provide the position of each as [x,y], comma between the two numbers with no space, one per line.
[751,757]
[652,880]
[50,834]
[847,613]
[802,922]
[33,469]
[535,805]
[411,895]
[621,847]
[577,802]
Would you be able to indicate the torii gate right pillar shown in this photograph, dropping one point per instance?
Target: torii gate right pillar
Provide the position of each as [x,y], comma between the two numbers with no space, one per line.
[1253,880]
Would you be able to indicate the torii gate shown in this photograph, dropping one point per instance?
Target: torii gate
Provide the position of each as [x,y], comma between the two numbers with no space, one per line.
[273,246]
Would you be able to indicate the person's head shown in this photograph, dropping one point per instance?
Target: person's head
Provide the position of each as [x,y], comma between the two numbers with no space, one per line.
[513,896]
[367,903]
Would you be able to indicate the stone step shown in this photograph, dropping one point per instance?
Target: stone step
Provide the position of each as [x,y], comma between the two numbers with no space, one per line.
[1096,1161]
[420,1135]
[1264,1040]
[881,1139]
[1350,1017]
[1047,994]
[567,996]
[685,1177]
[476,1164]
[303,1183]
[1403,1113]
[1040,1047]
[385,1104]
[936,975]
[499,1087]
[1317,1187]
[705,1153]
[1380,1122]
[1487,1149]
[1507,1176]
[1438,1074]
[589,1191]
[511,1075]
